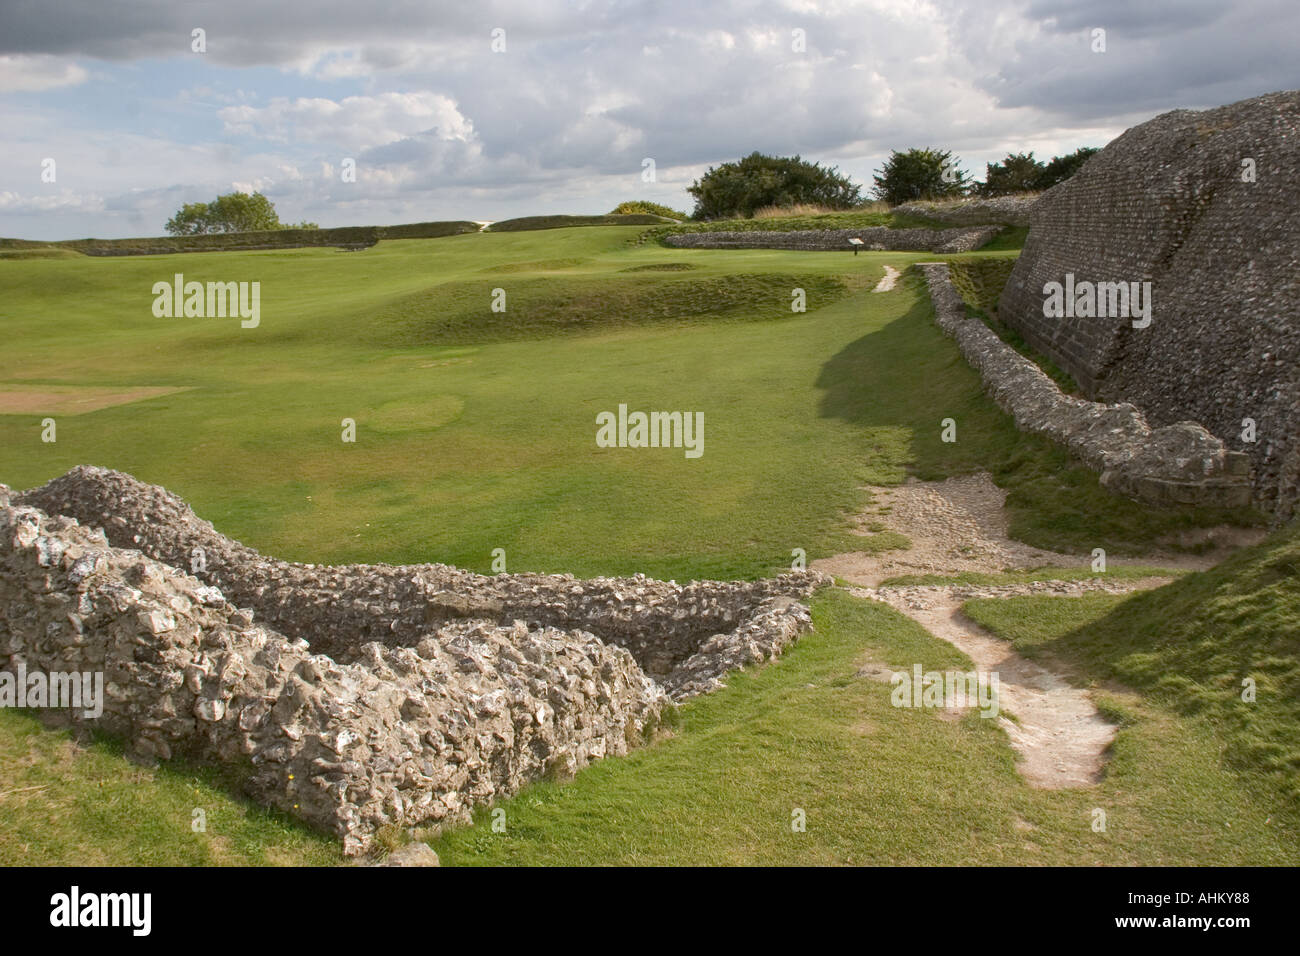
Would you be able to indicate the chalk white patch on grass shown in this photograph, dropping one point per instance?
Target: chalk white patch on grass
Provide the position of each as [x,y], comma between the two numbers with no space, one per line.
[887,282]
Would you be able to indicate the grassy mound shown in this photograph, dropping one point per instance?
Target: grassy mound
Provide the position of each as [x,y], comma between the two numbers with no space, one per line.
[980,280]
[648,208]
[1192,645]
[1010,238]
[345,236]
[526,223]
[40,252]
[459,312]
[538,265]
[661,267]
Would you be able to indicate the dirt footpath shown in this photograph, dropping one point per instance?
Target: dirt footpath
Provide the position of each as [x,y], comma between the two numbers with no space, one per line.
[957,526]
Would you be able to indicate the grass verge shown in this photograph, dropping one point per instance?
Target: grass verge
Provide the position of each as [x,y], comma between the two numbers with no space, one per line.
[1201,646]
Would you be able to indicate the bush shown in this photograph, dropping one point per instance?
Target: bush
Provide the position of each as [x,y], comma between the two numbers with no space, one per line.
[646,208]
[740,188]
[1062,168]
[1018,173]
[920,174]
[233,212]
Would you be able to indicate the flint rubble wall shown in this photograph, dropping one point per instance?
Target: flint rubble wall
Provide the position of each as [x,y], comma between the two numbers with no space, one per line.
[837,240]
[1179,463]
[361,696]
[1206,207]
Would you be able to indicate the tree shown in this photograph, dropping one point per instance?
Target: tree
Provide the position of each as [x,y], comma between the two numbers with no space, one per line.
[920,174]
[191,220]
[1062,168]
[737,189]
[233,212]
[1018,173]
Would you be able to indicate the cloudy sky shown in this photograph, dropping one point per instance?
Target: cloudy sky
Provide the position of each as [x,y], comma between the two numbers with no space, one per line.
[440,125]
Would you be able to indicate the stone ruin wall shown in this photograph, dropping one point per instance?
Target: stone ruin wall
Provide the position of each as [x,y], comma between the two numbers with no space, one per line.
[362,696]
[1166,202]
[1005,210]
[837,240]
[1173,464]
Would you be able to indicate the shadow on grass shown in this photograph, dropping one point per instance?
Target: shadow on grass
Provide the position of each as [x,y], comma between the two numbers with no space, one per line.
[901,381]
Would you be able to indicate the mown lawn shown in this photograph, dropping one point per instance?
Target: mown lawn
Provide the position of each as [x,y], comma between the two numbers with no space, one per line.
[879,784]
[68,804]
[476,431]
[1221,646]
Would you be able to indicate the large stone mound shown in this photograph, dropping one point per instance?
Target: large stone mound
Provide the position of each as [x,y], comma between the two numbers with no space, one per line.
[1171,202]
[362,696]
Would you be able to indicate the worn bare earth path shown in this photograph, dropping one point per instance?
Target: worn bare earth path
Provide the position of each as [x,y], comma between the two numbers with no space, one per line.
[957,526]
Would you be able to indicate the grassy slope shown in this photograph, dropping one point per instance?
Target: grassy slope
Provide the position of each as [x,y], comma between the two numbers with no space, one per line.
[830,220]
[1122,572]
[464,448]
[878,784]
[468,446]
[1190,645]
[68,805]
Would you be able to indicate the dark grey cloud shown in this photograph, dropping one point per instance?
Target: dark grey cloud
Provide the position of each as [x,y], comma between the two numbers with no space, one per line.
[1160,55]
[586,90]
[271,32]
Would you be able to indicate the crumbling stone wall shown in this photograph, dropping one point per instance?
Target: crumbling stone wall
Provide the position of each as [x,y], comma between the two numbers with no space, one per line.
[1005,210]
[1180,463]
[1172,201]
[837,240]
[336,609]
[360,696]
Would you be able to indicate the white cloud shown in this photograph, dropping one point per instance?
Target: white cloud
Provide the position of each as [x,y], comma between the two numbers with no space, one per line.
[355,122]
[31,74]
[441,126]
[64,200]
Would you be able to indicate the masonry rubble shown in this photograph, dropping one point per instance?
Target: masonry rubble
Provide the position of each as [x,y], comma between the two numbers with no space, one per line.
[1177,463]
[361,696]
[1003,210]
[833,240]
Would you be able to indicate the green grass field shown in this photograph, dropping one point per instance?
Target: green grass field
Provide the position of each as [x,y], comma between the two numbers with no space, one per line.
[476,430]
[879,784]
[1193,646]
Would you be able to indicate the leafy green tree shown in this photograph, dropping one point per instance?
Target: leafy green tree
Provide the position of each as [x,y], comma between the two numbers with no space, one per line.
[233,212]
[920,174]
[1061,168]
[191,220]
[1018,173]
[737,189]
